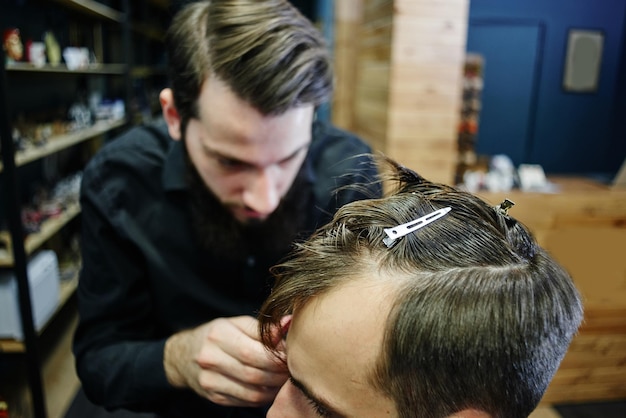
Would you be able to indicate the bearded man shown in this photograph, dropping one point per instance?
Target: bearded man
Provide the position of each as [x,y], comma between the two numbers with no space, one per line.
[181,220]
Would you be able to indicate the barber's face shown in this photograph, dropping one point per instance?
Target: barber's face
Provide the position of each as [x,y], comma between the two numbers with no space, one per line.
[247,159]
[332,344]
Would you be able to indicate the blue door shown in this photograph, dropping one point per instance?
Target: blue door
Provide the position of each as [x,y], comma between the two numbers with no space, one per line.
[510,50]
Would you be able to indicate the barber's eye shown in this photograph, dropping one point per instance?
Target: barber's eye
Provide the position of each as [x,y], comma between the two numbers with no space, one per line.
[229,164]
[288,161]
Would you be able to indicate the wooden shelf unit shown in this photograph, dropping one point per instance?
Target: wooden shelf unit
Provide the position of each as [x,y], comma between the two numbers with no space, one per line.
[583,225]
[67,289]
[33,242]
[94,9]
[60,142]
[94,21]
[103,69]
[127,44]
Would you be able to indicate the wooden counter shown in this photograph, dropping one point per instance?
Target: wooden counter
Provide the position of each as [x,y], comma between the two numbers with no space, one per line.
[583,226]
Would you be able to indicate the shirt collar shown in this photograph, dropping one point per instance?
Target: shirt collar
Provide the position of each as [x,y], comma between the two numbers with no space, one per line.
[174,171]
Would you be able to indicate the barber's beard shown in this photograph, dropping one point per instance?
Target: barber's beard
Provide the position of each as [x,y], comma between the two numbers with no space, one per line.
[218,233]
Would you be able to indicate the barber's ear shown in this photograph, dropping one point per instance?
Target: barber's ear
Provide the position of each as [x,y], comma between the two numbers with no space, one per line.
[170,113]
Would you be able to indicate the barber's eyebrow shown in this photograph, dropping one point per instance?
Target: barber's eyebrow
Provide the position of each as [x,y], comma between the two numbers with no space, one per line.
[217,154]
[331,411]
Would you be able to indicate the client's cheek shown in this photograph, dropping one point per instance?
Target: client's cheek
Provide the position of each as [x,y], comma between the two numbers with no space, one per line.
[281,408]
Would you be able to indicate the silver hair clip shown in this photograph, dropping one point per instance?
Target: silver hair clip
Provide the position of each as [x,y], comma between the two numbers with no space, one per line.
[401,230]
[504,207]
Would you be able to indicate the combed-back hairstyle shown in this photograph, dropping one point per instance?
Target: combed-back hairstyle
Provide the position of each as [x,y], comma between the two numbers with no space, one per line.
[482,315]
[266,51]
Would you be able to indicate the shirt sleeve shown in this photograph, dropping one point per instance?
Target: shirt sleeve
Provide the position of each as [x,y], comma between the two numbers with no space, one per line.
[118,351]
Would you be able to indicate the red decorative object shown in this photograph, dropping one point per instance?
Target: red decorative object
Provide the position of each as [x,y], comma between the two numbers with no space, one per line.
[12,44]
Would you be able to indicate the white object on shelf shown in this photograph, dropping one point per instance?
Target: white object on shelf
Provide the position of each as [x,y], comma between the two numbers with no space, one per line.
[76,58]
[532,177]
[43,277]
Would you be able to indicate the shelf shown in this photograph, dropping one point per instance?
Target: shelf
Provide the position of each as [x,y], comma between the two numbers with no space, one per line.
[66,290]
[59,373]
[59,142]
[107,29]
[162,4]
[104,69]
[94,9]
[146,71]
[49,227]
[149,31]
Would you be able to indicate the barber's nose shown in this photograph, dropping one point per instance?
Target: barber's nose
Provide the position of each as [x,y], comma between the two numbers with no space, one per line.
[262,193]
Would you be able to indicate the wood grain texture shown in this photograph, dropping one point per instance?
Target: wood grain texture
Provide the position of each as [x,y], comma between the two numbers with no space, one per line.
[584,228]
[403,95]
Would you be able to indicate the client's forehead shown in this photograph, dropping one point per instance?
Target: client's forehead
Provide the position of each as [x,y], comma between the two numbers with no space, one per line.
[335,340]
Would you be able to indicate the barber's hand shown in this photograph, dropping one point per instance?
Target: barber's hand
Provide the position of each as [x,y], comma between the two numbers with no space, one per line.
[224,361]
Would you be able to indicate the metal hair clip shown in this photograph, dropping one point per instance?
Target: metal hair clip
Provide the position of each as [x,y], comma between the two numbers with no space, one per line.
[401,230]
[504,207]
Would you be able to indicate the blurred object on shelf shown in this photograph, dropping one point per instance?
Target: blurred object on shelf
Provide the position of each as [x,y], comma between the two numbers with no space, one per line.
[28,134]
[80,116]
[12,45]
[36,53]
[76,58]
[498,174]
[18,140]
[495,174]
[50,202]
[532,178]
[111,110]
[106,108]
[67,191]
[4,408]
[501,176]
[53,50]
[470,112]
[43,276]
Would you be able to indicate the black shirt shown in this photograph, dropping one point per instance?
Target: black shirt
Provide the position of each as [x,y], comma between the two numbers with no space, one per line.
[144,277]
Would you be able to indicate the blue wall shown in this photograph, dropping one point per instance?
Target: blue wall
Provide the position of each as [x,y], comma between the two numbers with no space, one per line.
[568,132]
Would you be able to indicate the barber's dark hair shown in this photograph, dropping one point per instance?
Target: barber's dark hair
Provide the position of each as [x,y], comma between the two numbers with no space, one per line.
[482,315]
[266,51]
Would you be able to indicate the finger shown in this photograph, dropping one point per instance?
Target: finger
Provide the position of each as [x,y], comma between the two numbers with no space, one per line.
[248,325]
[246,362]
[227,391]
[249,350]
[253,376]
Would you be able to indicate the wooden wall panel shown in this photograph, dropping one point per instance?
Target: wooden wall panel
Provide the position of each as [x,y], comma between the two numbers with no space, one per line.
[348,16]
[371,98]
[453,8]
[584,228]
[406,97]
[425,95]
[594,369]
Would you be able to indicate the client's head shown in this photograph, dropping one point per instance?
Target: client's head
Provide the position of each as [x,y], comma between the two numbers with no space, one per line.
[460,314]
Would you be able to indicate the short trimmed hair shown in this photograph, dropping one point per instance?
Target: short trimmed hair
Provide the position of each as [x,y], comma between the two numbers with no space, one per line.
[482,315]
[266,51]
